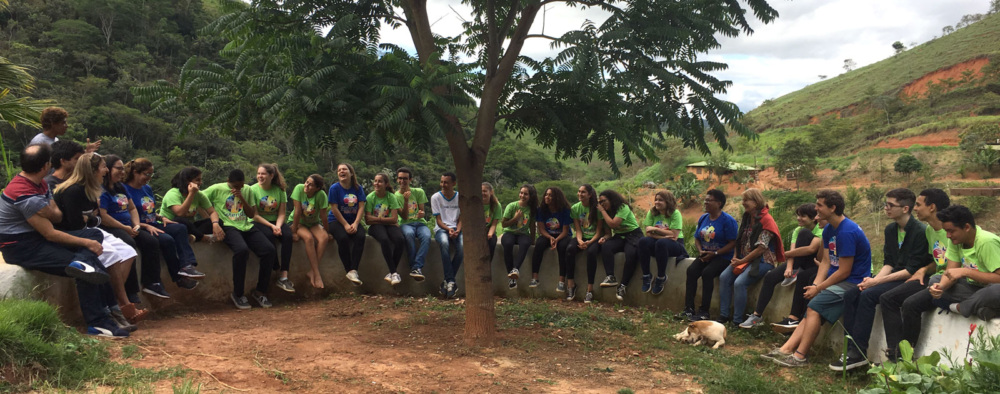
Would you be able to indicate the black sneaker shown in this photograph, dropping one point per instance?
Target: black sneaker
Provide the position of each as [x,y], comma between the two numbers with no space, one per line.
[108,329]
[156,289]
[853,359]
[444,289]
[570,293]
[87,273]
[417,274]
[620,293]
[658,284]
[609,281]
[688,314]
[261,299]
[240,302]
[701,315]
[647,283]
[511,283]
[190,272]
[452,289]
[723,319]
[119,319]
[187,283]
[134,298]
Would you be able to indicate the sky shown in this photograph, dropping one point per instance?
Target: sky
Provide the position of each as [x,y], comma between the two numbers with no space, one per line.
[809,38]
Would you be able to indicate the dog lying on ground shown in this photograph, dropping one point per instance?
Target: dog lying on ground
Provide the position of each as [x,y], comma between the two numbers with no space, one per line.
[705,331]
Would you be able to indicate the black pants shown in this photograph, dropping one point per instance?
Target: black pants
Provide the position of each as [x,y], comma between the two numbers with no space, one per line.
[31,251]
[621,243]
[984,303]
[286,242]
[197,228]
[507,241]
[390,238]
[913,308]
[492,242]
[149,248]
[349,246]
[859,311]
[663,249]
[774,277]
[592,251]
[242,243]
[542,244]
[707,272]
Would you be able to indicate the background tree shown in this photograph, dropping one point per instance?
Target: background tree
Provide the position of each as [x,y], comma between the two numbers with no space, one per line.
[907,165]
[898,47]
[947,30]
[614,91]
[15,80]
[719,164]
[796,158]
[849,64]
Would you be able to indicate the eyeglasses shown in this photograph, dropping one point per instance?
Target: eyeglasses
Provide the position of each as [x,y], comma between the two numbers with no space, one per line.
[149,174]
[710,200]
[889,205]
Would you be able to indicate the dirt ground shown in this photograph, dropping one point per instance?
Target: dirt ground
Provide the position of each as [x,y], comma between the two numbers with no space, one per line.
[382,344]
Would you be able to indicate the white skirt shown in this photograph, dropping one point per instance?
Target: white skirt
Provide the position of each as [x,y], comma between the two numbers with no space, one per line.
[115,250]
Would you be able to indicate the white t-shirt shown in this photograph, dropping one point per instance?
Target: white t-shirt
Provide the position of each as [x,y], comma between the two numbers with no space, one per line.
[446,209]
[41,138]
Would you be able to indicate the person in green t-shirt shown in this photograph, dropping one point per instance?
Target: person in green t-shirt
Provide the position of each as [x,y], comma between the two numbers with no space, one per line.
[185,203]
[235,229]
[382,217]
[411,222]
[623,236]
[928,203]
[308,223]
[269,193]
[587,227]
[517,219]
[664,239]
[493,213]
[973,261]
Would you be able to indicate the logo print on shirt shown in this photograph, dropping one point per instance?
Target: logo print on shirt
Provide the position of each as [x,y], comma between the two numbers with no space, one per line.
[233,207]
[350,199]
[308,209]
[122,201]
[708,233]
[832,245]
[660,224]
[552,225]
[268,204]
[939,251]
[148,204]
[381,210]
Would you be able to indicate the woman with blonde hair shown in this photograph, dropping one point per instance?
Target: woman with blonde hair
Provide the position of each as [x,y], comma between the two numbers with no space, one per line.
[758,250]
[79,200]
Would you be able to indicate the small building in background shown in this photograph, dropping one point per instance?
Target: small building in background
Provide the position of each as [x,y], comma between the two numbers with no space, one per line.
[702,172]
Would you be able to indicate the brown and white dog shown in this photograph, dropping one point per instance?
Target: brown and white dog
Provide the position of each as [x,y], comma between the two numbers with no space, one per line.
[704,331]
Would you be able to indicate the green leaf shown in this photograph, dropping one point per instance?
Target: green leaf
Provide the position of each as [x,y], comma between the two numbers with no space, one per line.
[905,350]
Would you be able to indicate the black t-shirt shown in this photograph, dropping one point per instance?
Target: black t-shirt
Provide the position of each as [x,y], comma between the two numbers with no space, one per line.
[804,239]
[77,209]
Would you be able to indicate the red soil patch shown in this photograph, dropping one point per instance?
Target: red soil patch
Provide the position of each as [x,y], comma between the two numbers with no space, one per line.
[918,88]
[387,344]
[941,138]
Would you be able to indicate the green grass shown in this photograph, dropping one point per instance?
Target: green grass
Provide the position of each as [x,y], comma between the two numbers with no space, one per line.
[43,353]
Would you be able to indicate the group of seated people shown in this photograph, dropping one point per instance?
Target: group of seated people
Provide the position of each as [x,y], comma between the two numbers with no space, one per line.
[73,212]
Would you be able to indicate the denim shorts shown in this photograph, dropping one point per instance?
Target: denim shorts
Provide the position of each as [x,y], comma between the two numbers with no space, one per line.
[829,303]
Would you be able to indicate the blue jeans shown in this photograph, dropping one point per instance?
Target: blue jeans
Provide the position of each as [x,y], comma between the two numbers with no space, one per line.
[414,232]
[742,282]
[181,243]
[449,264]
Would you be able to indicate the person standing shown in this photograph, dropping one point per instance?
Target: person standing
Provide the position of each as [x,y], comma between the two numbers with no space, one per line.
[54,124]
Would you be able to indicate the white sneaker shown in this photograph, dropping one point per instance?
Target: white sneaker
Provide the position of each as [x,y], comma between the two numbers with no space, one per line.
[388,278]
[353,277]
[395,279]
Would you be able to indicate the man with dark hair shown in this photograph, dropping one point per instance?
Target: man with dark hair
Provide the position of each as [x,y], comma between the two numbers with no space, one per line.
[847,259]
[411,221]
[926,207]
[64,157]
[54,124]
[28,239]
[232,224]
[444,204]
[905,252]
[972,262]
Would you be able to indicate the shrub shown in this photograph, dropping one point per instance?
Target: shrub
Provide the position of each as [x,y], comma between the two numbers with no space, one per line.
[980,205]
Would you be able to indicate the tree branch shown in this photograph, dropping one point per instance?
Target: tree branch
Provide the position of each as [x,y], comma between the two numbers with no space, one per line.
[542,36]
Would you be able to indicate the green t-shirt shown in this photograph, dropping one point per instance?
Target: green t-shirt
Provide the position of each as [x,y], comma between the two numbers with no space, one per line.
[628,221]
[900,235]
[675,222]
[984,255]
[229,208]
[816,230]
[417,200]
[582,214]
[497,214]
[522,227]
[174,197]
[381,207]
[268,201]
[314,208]
[937,245]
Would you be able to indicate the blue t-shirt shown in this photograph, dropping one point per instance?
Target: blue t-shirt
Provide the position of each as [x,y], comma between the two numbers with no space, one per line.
[715,234]
[116,203]
[554,222]
[347,200]
[144,201]
[848,240]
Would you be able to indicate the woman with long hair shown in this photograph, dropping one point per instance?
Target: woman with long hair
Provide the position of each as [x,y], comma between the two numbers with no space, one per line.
[714,239]
[553,221]
[493,213]
[758,250]
[623,236]
[517,219]
[382,217]
[271,219]
[347,203]
[185,204]
[664,239]
[588,226]
[79,200]
[309,225]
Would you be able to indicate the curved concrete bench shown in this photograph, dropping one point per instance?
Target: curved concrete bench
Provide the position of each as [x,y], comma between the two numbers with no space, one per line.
[939,331]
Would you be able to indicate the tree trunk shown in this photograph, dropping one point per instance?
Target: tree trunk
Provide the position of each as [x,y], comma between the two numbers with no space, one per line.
[480,313]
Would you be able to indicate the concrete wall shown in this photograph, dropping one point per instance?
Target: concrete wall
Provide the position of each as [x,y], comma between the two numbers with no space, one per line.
[940,331]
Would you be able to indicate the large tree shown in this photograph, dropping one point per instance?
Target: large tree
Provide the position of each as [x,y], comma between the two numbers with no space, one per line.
[614,89]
